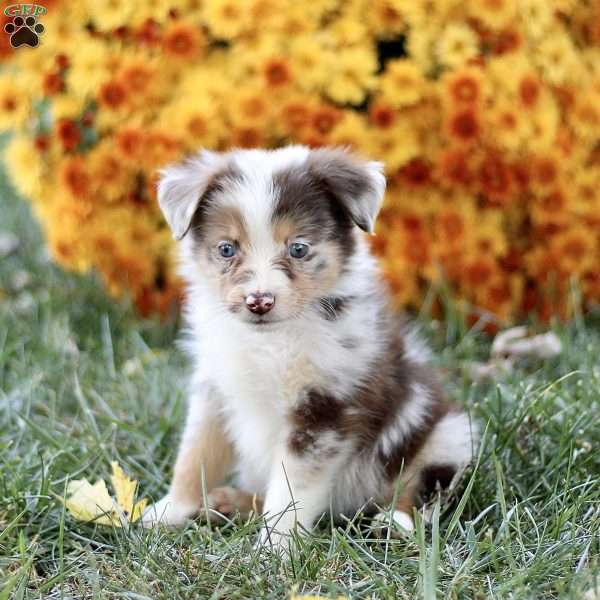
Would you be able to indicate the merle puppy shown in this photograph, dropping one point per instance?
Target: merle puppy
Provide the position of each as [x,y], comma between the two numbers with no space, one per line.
[305,387]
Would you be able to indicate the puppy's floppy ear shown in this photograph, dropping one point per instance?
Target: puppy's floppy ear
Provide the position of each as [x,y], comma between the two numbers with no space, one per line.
[182,186]
[357,184]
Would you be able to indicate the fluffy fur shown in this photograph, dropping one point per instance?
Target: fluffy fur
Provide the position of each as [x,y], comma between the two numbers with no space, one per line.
[324,401]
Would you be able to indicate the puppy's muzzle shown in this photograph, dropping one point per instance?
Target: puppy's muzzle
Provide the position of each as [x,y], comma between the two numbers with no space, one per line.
[259,303]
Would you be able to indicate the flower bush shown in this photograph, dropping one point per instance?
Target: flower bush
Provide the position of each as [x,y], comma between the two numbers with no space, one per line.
[485,112]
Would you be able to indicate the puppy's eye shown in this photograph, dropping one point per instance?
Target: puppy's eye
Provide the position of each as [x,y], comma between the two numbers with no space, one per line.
[226,249]
[298,250]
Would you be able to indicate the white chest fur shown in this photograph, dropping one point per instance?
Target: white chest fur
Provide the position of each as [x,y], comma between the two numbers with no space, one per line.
[260,375]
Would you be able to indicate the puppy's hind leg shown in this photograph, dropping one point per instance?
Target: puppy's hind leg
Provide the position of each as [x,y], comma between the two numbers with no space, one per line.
[204,447]
[445,454]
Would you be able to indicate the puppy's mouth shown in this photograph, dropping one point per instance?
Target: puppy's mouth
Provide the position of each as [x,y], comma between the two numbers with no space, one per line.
[263,321]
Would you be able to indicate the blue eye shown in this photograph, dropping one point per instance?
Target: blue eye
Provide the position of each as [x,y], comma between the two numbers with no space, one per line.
[226,250]
[298,250]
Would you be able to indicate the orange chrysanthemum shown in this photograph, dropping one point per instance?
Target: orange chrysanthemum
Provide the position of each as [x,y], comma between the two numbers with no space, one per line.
[415,174]
[529,90]
[69,134]
[75,177]
[129,143]
[464,86]
[382,116]
[112,95]
[324,119]
[183,41]
[495,179]
[455,168]
[277,72]
[464,126]
[53,83]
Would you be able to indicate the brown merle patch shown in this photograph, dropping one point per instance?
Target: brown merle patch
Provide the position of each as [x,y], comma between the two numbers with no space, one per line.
[375,403]
[316,413]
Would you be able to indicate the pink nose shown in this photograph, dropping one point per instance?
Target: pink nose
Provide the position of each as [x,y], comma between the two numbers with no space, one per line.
[259,303]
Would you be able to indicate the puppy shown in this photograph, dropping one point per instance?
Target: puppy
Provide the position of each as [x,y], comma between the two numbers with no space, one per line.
[305,386]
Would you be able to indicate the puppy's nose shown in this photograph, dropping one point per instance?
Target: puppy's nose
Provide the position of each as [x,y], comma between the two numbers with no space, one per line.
[260,303]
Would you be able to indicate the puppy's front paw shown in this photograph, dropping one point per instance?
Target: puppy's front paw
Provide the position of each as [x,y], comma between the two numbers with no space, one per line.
[401,523]
[168,511]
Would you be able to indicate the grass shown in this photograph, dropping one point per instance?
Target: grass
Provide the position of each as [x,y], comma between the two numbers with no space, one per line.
[84,382]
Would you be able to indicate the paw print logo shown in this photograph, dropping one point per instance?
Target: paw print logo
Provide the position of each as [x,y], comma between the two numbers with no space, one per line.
[24,31]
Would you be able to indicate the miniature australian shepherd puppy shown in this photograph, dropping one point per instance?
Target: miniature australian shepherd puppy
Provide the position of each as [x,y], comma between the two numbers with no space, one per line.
[306,388]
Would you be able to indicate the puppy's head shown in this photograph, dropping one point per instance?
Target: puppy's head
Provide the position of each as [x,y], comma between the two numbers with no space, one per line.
[270,232]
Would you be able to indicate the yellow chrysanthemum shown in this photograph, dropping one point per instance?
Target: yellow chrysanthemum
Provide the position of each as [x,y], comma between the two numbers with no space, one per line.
[503,73]
[543,123]
[107,15]
[268,15]
[319,9]
[352,131]
[396,146]
[25,167]
[557,58]
[489,234]
[591,60]
[420,13]
[585,192]
[311,61]
[457,44]
[536,17]
[160,11]
[384,18]
[296,20]
[226,19]
[249,55]
[67,107]
[585,115]
[402,83]
[88,68]
[64,31]
[508,127]
[31,68]
[352,75]
[15,103]
[421,46]
[210,80]
[349,31]
[564,6]
[495,14]
[250,107]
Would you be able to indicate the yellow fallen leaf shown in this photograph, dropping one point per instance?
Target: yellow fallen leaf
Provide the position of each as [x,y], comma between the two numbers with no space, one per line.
[87,502]
[125,491]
